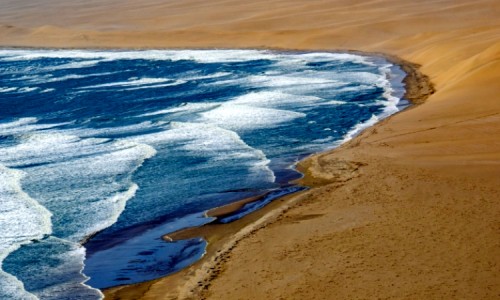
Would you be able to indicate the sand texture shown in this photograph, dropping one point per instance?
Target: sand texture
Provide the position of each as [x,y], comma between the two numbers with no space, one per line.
[410,209]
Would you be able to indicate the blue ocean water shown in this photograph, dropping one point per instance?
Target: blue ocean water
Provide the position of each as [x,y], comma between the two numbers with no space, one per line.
[103,152]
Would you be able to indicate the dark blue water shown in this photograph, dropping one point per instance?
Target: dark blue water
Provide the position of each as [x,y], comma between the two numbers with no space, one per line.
[114,149]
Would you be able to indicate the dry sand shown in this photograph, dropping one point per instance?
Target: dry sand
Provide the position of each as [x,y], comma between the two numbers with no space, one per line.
[413,213]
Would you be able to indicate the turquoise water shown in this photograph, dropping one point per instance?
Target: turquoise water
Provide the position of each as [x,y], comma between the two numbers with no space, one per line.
[103,152]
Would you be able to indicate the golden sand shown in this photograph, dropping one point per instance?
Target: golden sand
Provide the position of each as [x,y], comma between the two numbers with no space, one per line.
[418,219]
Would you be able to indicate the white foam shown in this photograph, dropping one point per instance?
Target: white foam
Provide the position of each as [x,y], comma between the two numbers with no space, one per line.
[280,81]
[327,56]
[281,100]
[111,131]
[7,89]
[155,86]
[299,61]
[130,82]
[24,125]
[19,122]
[209,76]
[13,288]
[184,108]
[243,117]
[274,99]
[105,212]
[201,56]
[85,182]
[90,194]
[211,141]
[91,58]
[18,90]
[57,281]
[27,89]
[333,103]
[360,127]
[72,76]
[92,175]
[391,100]
[293,82]
[358,77]
[390,103]
[27,78]
[41,148]
[22,219]
[73,65]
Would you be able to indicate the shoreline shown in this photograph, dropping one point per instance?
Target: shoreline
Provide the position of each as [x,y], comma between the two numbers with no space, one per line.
[222,238]
[418,218]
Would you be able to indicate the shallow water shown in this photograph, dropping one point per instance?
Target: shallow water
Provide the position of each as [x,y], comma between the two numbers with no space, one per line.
[135,144]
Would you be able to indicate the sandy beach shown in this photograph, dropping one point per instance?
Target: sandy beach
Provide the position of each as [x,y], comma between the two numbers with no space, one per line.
[409,209]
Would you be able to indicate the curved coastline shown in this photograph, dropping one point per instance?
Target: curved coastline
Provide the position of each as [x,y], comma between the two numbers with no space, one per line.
[193,281]
[420,220]
[397,78]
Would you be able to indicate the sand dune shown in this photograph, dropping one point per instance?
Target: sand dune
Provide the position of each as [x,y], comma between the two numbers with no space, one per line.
[419,220]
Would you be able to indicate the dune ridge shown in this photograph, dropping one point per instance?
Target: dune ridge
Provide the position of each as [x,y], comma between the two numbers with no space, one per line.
[420,218]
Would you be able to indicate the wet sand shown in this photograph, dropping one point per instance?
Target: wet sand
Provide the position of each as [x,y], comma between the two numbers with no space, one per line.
[407,210]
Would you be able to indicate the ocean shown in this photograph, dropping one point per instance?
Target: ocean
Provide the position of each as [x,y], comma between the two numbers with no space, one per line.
[103,152]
